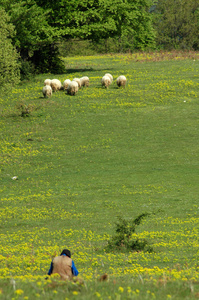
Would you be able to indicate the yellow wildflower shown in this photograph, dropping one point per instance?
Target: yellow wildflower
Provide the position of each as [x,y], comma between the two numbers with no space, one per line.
[75,293]
[19,292]
[97,294]
[121,289]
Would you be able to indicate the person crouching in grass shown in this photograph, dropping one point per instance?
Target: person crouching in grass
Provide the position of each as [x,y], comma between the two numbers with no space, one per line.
[64,266]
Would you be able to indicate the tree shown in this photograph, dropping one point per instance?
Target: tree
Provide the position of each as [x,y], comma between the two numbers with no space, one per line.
[31,25]
[35,38]
[77,18]
[133,23]
[40,24]
[101,19]
[177,24]
[9,66]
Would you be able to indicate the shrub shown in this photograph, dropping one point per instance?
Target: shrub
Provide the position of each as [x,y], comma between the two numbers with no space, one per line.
[123,239]
[25,110]
[47,60]
[27,70]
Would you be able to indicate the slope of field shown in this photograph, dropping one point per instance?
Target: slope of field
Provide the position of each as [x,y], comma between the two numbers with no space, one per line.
[81,161]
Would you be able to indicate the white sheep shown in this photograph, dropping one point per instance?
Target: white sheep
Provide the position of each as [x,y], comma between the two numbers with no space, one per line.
[121,80]
[55,85]
[78,82]
[106,81]
[72,89]
[66,83]
[47,81]
[110,76]
[47,91]
[84,81]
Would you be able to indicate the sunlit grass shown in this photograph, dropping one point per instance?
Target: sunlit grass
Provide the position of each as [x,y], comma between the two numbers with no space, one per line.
[81,161]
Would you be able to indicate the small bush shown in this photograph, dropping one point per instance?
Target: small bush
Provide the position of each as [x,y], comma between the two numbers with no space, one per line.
[27,70]
[25,110]
[123,239]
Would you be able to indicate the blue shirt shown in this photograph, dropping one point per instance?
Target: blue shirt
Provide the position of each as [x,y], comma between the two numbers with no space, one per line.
[74,270]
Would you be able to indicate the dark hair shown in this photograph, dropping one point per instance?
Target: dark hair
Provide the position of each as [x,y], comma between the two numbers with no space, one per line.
[67,252]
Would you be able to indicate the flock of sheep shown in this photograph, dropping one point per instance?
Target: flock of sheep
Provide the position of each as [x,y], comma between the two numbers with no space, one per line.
[72,87]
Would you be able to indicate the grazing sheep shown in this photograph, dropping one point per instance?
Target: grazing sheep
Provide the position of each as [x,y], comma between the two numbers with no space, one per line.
[84,81]
[106,81]
[66,83]
[121,80]
[47,91]
[55,85]
[110,76]
[78,82]
[47,81]
[72,89]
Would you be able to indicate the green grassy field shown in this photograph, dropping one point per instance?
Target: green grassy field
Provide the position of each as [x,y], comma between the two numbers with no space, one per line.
[81,161]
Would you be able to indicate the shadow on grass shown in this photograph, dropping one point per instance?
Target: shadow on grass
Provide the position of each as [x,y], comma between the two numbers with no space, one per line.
[69,71]
[77,70]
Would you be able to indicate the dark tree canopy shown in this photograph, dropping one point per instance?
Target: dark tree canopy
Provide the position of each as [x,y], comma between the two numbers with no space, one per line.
[177,24]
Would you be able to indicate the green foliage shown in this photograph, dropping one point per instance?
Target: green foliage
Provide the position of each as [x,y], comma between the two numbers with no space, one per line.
[177,24]
[9,66]
[33,37]
[27,70]
[75,47]
[31,26]
[102,19]
[133,23]
[123,239]
[46,60]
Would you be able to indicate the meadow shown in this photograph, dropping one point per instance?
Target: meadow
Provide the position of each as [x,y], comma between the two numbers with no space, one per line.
[71,165]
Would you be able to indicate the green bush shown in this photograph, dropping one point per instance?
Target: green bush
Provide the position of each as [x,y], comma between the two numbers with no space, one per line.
[27,70]
[47,60]
[24,109]
[123,239]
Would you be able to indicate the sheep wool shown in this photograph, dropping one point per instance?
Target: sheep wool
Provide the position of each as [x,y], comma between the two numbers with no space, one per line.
[72,89]
[47,91]
[121,81]
[66,84]
[55,85]
[78,82]
[106,81]
[47,81]
[84,81]
[110,76]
